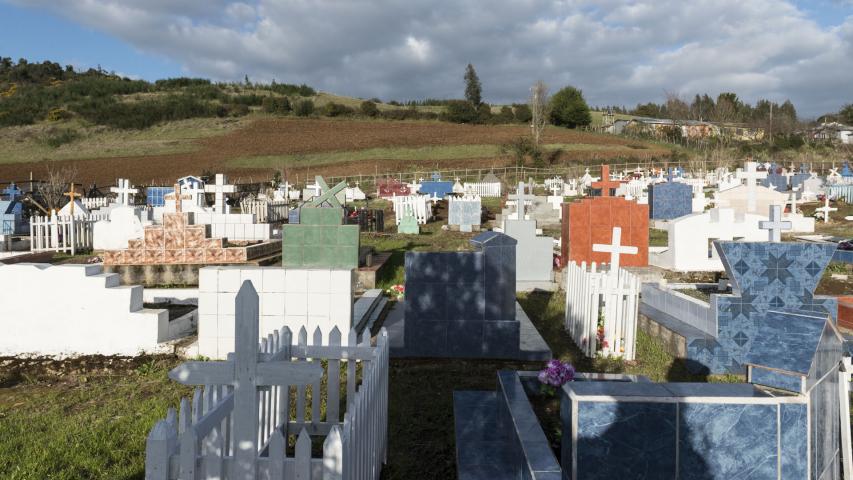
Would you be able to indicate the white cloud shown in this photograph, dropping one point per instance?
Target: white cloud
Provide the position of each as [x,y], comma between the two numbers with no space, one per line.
[618,52]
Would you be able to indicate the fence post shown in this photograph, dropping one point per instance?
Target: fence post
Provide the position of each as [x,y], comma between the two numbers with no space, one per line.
[333,457]
[161,442]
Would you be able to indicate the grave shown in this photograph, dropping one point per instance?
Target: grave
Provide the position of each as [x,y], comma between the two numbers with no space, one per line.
[409,225]
[776,179]
[11,217]
[591,220]
[11,192]
[390,187]
[756,199]
[670,200]
[436,187]
[534,255]
[462,304]
[798,179]
[464,213]
[125,223]
[690,239]
[219,189]
[321,239]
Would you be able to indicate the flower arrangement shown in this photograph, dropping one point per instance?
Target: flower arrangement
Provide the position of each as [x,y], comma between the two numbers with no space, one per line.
[396,291]
[554,375]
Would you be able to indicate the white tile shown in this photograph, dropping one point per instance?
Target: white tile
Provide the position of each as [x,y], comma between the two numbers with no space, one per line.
[208,347]
[225,303]
[273,304]
[224,347]
[295,303]
[208,326]
[226,325]
[273,279]
[208,303]
[318,280]
[208,279]
[296,281]
[340,281]
[340,312]
[229,280]
[318,304]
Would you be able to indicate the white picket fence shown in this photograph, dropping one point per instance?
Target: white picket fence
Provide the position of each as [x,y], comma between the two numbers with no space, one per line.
[606,298]
[95,203]
[62,233]
[415,205]
[243,430]
[266,211]
[483,189]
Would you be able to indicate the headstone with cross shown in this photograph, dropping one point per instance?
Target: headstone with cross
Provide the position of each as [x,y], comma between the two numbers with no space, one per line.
[196,192]
[775,225]
[825,209]
[615,249]
[246,371]
[123,191]
[219,189]
[178,197]
[793,201]
[521,198]
[751,175]
[605,184]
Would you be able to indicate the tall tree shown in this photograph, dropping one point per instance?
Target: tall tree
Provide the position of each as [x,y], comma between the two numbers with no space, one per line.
[538,110]
[473,89]
[845,115]
[568,108]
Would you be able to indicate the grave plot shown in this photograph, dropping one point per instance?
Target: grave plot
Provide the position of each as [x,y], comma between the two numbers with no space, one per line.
[436,188]
[670,200]
[465,213]
[391,187]
[462,304]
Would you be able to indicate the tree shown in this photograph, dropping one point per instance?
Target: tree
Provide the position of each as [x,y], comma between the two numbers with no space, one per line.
[473,89]
[845,115]
[369,108]
[460,111]
[539,112]
[569,109]
[676,108]
[52,189]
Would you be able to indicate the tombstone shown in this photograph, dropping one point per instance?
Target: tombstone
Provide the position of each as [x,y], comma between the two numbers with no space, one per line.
[846,172]
[670,200]
[604,187]
[534,256]
[354,194]
[390,187]
[11,192]
[321,239]
[462,304]
[409,225]
[465,213]
[812,186]
[801,176]
[11,219]
[124,193]
[591,220]
[458,189]
[826,209]
[156,196]
[125,224]
[219,189]
[436,187]
[756,199]
[775,225]
[776,178]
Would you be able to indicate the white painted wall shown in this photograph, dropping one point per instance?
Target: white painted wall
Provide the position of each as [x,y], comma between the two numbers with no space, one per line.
[66,310]
[292,297]
[125,223]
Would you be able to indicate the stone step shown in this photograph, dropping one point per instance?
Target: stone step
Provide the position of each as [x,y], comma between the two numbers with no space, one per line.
[482,453]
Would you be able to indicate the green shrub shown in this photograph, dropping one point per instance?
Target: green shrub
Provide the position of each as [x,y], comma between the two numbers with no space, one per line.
[58,114]
[303,108]
[522,113]
[505,116]
[484,113]
[279,105]
[55,138]
[522,150]
[369,109]
[333,109]
[460,111]
[569,109]
[408,114]
[232,110]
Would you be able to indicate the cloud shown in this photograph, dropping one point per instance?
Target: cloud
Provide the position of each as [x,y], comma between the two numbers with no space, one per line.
[618,52]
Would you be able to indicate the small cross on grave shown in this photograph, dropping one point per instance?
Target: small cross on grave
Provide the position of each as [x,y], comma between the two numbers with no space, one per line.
[615,249]
[605,184]
[246,371]
[669,176]
[72,195]
[775,225]
[194,190]
[329,195]
[436,176]
[793,201]
[555,189]
[521,199]
[219,190]
[751,175]
[825,209]
[123,191]
[833,173]
[178,197]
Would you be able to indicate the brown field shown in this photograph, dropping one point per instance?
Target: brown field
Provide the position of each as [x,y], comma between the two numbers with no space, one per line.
[267,137]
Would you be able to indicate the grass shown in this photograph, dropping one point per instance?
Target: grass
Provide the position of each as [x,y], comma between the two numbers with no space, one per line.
[658,237]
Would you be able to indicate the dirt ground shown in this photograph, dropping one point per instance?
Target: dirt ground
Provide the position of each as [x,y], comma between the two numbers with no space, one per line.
[289,136]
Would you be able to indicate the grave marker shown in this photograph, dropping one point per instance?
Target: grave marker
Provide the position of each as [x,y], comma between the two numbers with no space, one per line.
[775,225]
[123,191]
[825,209]
[219,189]
[615,249]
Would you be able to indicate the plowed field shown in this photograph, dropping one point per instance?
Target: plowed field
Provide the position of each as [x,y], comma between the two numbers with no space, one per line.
[269,137]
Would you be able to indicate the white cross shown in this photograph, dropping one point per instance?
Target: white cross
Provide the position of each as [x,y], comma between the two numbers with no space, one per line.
[833,172]
[775,225]
[194,192]
[751,175]
[793,201]
[615,249]
[825,209]
[520,200]
[124,191]
[220,189]
[246,371]
[555,189]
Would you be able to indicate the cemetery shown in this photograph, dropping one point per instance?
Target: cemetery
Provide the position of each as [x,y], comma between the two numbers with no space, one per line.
[522,327]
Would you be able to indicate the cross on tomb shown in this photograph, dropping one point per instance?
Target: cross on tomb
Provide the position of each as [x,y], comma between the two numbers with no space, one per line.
[329,194]
[825,209]
[751,175]
[605,184]
[833,172]
[178,197]
[72,195]
[246,371]
[793,201]
[521,200]
[615,249]
[775,225]
[194,190]
[123,191]
[555,189]
[219,189]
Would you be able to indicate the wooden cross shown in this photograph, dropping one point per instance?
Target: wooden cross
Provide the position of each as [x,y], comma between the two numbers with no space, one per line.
[178,197]
[775,225]
[123,191]
[71,194]
[246,372]
[615,249]
[605,184]
[219,190]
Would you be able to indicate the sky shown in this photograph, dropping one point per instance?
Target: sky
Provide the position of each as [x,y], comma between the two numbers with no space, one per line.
[617,52]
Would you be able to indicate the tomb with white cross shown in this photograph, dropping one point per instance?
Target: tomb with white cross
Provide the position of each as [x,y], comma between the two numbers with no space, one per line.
[826,209]
[522,201]
[751,175]
[247,371]
[124,193]
[775,225]
[615,249]
[799,222]
[219,189]
[556,197]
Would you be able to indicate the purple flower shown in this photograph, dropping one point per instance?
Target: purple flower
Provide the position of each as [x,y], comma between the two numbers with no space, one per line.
[557,373]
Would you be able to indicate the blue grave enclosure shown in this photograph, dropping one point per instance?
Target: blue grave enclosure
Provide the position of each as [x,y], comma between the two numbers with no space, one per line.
[293,216]
[845,170]
[775,178]
[436,188]
[11,220]
[12,192]
[801,176]
[670,200]
[462,304]
[155,195]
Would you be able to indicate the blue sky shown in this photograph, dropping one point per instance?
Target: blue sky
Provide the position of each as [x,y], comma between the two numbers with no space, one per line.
[619,52]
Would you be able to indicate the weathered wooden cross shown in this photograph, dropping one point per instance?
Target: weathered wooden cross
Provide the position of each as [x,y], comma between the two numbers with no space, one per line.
[248,370]
[72,195]
[123,191]
[775,225]
[615,249]
[219,190]
[178,197]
